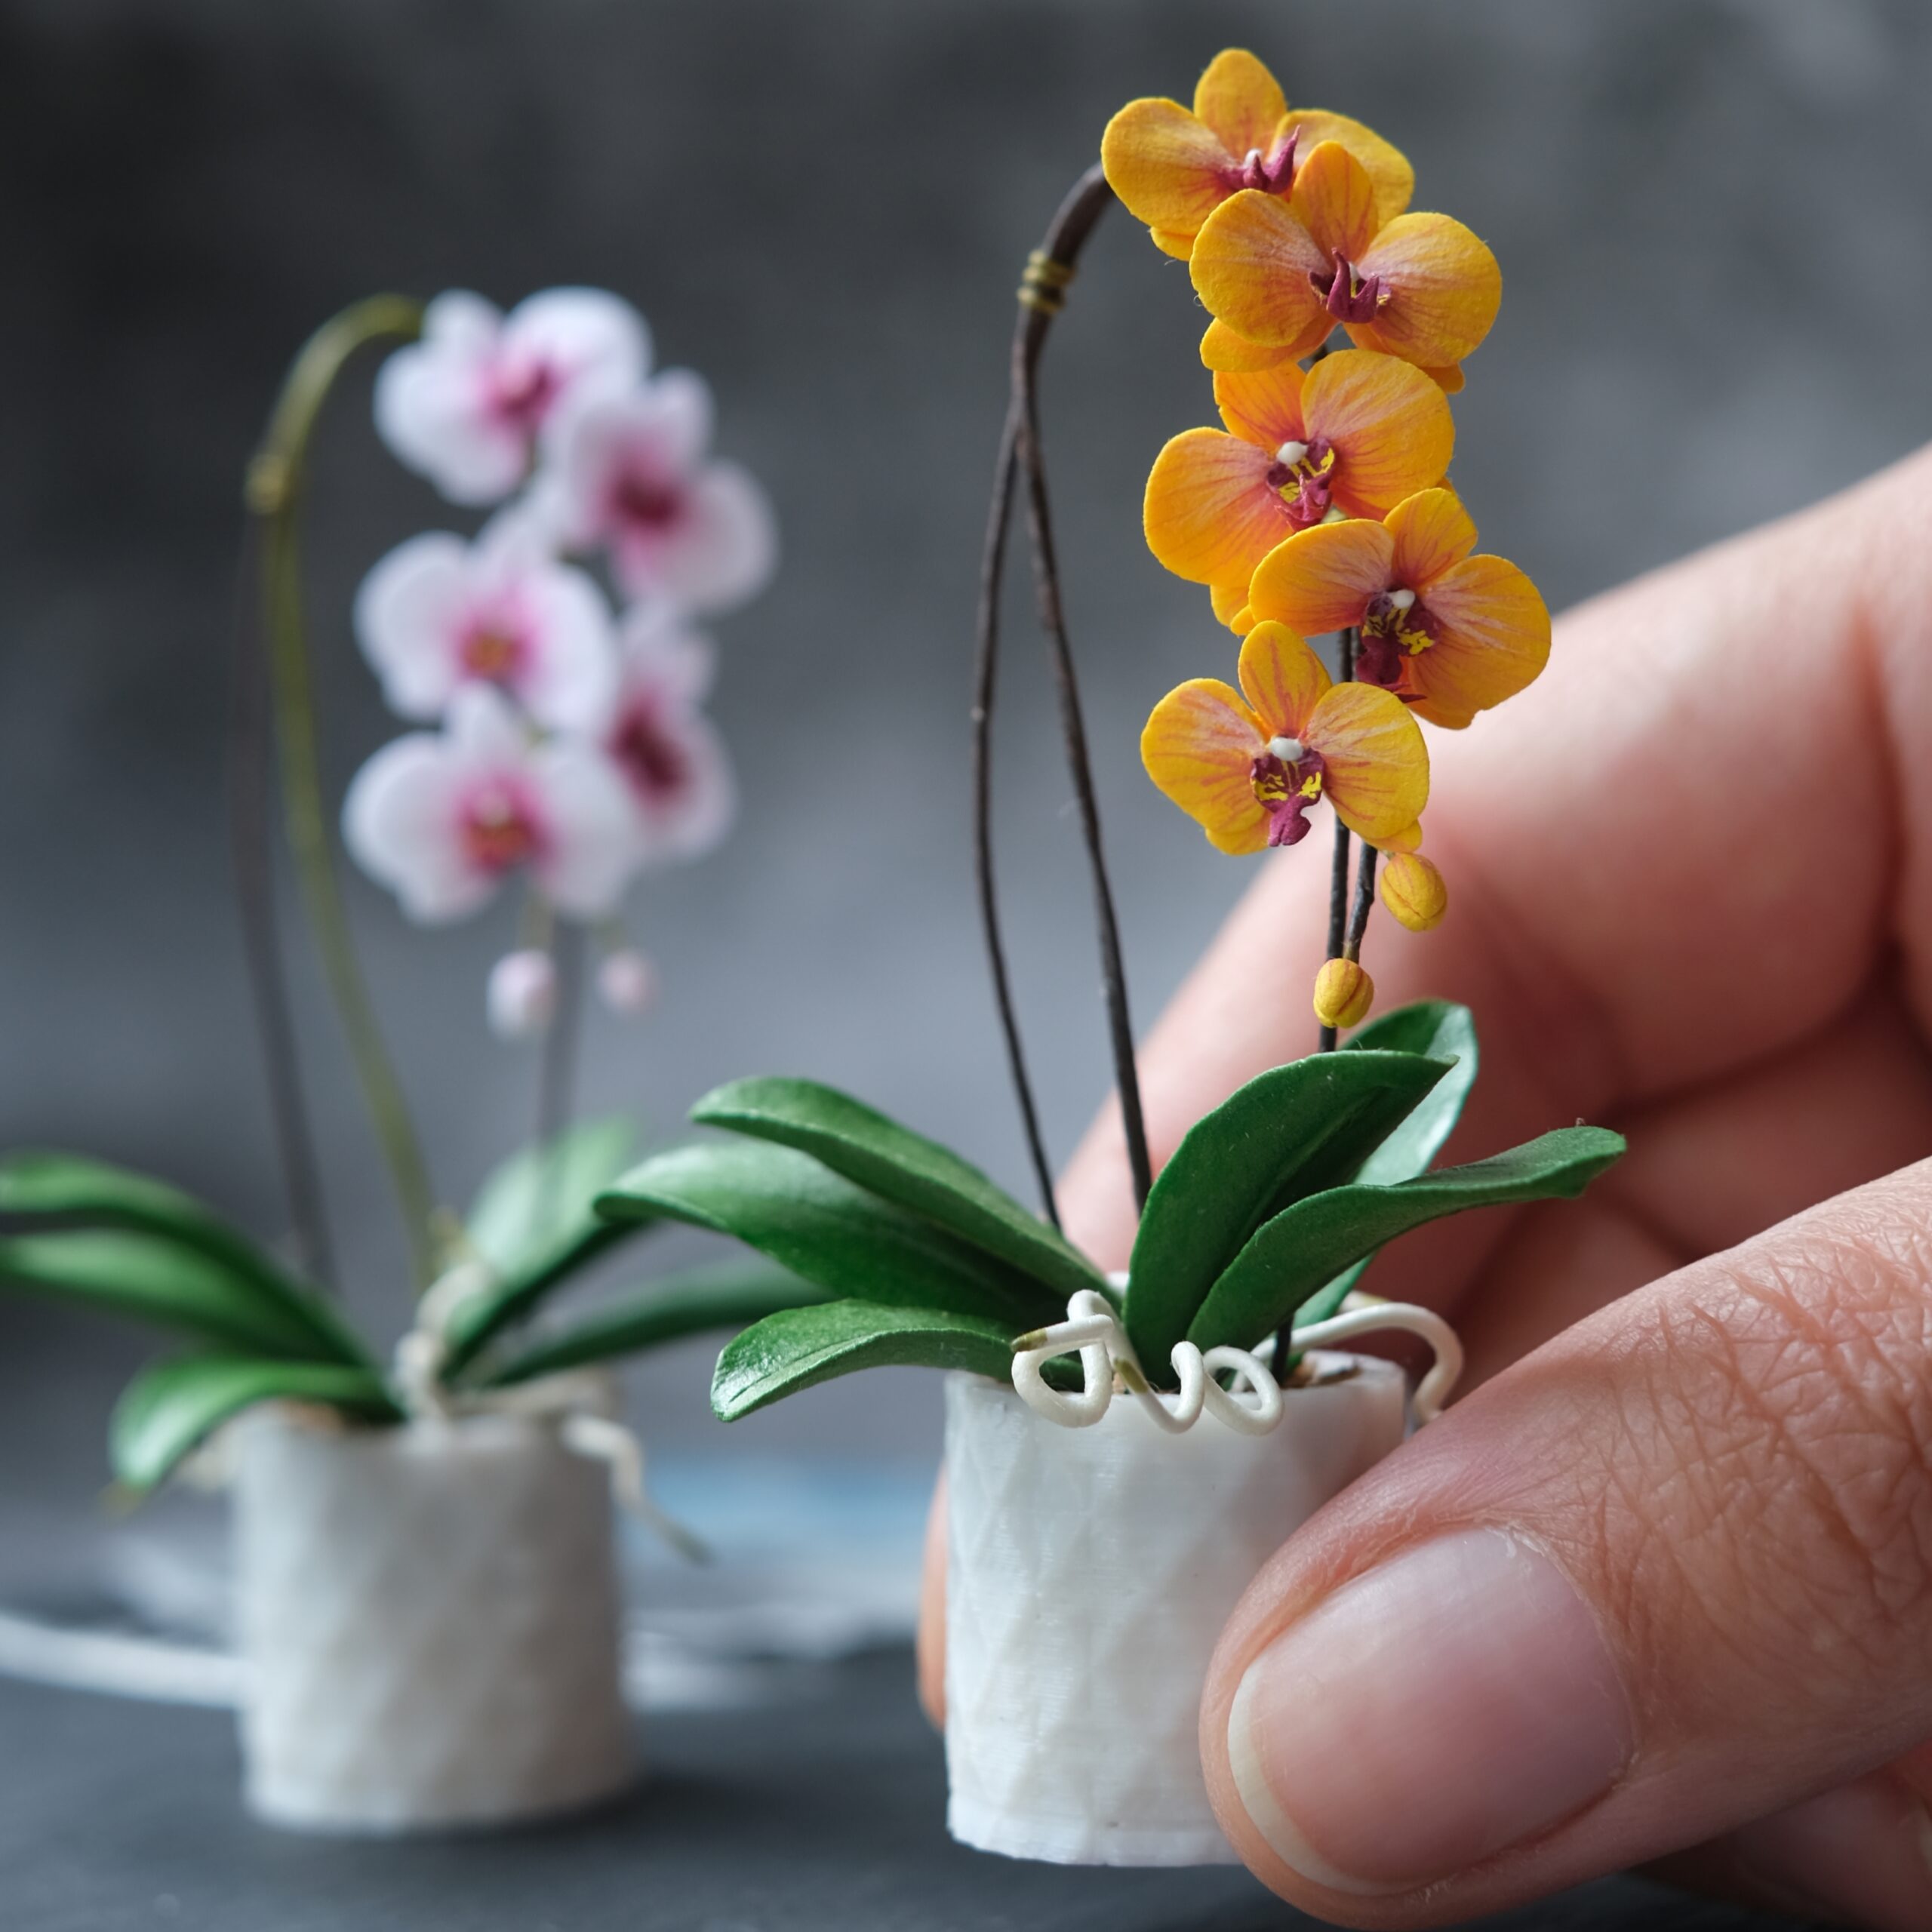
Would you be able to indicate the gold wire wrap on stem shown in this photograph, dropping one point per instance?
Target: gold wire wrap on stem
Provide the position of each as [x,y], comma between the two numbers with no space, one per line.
[1043,285]
[272,492]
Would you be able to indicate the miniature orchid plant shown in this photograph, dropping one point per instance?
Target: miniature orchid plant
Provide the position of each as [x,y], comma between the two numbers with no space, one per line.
[1321,504]
[550,663]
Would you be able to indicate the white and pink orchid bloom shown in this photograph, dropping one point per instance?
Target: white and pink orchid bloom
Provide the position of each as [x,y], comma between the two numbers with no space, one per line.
[467,404]
[438,613]
[442,818]
[679,779]
[629,474]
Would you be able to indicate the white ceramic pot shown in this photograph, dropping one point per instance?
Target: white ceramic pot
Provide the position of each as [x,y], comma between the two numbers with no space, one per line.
[428,1620]
[1089,1573]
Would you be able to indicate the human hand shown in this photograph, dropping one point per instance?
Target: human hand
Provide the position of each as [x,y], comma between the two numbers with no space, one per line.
[1661,1588]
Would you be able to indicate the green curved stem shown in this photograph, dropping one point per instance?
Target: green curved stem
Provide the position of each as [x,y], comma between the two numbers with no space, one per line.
[277,477]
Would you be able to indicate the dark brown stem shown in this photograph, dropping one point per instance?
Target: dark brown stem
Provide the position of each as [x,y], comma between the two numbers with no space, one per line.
[1338,879]
[985,678]
[1041,297]
[251,817]
[1364,903]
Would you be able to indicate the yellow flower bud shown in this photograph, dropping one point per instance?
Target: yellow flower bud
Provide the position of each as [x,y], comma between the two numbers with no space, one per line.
[1412,890]
[1343,994]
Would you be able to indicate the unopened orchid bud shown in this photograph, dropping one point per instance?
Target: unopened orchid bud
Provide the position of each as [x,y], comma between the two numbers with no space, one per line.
[523,994]
[1412,890]
[626,982]
[1343,994]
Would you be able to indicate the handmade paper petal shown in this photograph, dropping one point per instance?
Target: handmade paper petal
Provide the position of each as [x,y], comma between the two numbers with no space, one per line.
[1334,200]
[1264,406]
[1321,579]
[1282,679]
[1430,530]
[1230,603]
[1377,766]
[431,404]
[1448,379]
[408,611]
[1178,242]
[593,343]
[1390,424]
[1492,639]
[1209,514]
[1250,267]
[1198,746]
[1164,166]
[1388,168]
[719,552]
[1444,290]
[571,676]
[675,767]
[1240,100]
[1222,349]
[591,852]
[399,822]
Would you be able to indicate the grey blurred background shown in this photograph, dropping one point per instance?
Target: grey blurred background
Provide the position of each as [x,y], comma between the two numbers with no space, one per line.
[1712,216]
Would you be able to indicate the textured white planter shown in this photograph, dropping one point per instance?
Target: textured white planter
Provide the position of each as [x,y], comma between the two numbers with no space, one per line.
[428,1617]
[1089,1575]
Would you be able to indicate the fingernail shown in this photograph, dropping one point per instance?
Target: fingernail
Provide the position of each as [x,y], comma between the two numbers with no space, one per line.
[1863,1853]
[1457,1700]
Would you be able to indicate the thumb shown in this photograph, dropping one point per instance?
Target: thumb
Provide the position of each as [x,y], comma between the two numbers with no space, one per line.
[1669,1575]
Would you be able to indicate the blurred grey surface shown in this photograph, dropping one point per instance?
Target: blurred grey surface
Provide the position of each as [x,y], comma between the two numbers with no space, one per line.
[1712,218]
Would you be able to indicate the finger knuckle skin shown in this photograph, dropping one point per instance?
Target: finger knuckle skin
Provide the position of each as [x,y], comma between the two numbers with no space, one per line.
[1792,1501]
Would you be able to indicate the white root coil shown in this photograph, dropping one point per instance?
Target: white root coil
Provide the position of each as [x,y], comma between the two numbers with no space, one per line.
[1109,1365]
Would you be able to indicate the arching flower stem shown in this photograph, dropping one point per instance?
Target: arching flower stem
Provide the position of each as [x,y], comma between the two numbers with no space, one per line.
[276,477]
[1041,297]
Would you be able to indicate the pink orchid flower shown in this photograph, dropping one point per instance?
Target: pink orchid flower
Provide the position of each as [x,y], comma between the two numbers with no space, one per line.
[629,474]
[683,797]
[438,613]
[442,818]
[467,405]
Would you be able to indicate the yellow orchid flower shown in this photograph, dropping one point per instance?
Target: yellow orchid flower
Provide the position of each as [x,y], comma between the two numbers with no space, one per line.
[1249,765]
[1280,275]
[1449,633]
[1173,168]
[1358,433]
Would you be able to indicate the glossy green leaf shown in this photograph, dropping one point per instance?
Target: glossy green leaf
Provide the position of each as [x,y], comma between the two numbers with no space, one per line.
[47,1192]
[827,1229]
[730,1294]
[480,1318]
[898,1165]
[1439,1029]
[1308,1245]
[1443,1031]
[540,1196]
[1288,1133]
[787,1352]
[151,1279]
[170,1408]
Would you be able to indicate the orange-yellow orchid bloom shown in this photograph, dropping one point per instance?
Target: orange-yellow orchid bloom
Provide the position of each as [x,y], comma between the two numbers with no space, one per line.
[1449,633]
[1249,765]
[1173,169]
[1280,275]
[1358,433]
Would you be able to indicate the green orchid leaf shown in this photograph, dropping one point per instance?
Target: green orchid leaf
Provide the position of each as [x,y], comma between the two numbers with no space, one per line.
[1443,1031]
[44,1193]
[478,1319]
[1291,1132]
[540,1196]
[900,1166]
[169,1409]
[827,1229]
[153,1279]
[730,1294]
[1438,1029]
[787,1352]
[1289,1261]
